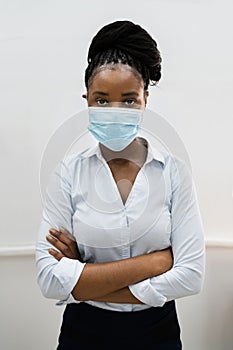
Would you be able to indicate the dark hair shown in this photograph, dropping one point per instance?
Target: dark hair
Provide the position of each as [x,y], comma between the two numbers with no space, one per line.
[127,43]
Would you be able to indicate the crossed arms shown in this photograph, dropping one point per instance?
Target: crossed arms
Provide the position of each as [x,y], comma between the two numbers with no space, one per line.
[109,281]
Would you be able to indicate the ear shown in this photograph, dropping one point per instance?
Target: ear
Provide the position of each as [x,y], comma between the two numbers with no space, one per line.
[146,94]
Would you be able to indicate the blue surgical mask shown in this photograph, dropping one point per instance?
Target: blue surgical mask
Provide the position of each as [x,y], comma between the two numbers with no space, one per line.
[114,127]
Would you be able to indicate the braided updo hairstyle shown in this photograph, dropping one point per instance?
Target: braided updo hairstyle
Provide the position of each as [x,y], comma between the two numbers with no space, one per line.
[127,43]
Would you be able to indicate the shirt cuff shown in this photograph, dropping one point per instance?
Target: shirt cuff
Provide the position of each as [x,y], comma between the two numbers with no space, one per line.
[68,272]
[70,299]
[144,292]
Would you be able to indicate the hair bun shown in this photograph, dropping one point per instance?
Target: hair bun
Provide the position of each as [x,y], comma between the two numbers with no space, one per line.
[128,37]
[129,43]
[112,36]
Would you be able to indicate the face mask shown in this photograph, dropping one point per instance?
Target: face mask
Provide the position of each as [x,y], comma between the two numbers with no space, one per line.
[114,127]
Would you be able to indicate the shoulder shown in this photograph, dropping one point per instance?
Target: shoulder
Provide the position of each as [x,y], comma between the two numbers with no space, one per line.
[73,159]
[69,164]
[178,169]
[173,162]
[169,161]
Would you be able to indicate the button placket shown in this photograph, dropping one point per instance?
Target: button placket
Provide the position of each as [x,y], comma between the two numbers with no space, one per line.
[126,237]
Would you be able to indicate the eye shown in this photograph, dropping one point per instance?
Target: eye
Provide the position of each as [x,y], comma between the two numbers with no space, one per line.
[130,101]
[101,101]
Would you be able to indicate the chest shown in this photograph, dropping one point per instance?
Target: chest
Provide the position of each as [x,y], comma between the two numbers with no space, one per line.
[124,177]
[102,221]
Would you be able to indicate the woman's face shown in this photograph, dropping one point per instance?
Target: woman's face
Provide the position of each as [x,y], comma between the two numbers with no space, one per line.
[116,85]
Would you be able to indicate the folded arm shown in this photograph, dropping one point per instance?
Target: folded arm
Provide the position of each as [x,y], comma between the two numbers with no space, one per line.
[187,239]
[121,296]
[101,279]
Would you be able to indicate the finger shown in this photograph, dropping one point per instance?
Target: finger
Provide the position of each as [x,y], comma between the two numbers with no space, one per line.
[63,235]
[57,255]
[67,234]
[58,244]
[64,230]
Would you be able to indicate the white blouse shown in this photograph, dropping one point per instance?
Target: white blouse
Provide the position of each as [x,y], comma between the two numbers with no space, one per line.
[161,211]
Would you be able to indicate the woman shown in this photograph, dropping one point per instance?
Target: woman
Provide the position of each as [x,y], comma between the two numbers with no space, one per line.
[121,235]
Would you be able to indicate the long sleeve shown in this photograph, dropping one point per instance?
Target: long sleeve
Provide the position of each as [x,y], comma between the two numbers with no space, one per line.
[56,279]
[187,240]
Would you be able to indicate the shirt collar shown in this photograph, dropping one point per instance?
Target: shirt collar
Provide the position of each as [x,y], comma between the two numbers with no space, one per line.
[153,153]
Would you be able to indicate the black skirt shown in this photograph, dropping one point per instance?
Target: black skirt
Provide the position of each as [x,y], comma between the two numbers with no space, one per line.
[89,327]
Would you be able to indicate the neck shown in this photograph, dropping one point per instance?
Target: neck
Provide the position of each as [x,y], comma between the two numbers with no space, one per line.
[135,152]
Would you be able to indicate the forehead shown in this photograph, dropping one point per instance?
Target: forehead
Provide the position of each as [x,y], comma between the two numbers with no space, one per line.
[116,76]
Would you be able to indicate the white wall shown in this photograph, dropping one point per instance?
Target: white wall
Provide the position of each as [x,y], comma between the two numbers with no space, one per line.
[43,48]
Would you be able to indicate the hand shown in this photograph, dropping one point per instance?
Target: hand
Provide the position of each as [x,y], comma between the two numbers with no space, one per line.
[65,242]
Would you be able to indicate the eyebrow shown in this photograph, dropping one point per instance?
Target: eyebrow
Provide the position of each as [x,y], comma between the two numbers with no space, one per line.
[132,93]
[106,94]
[100,93]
